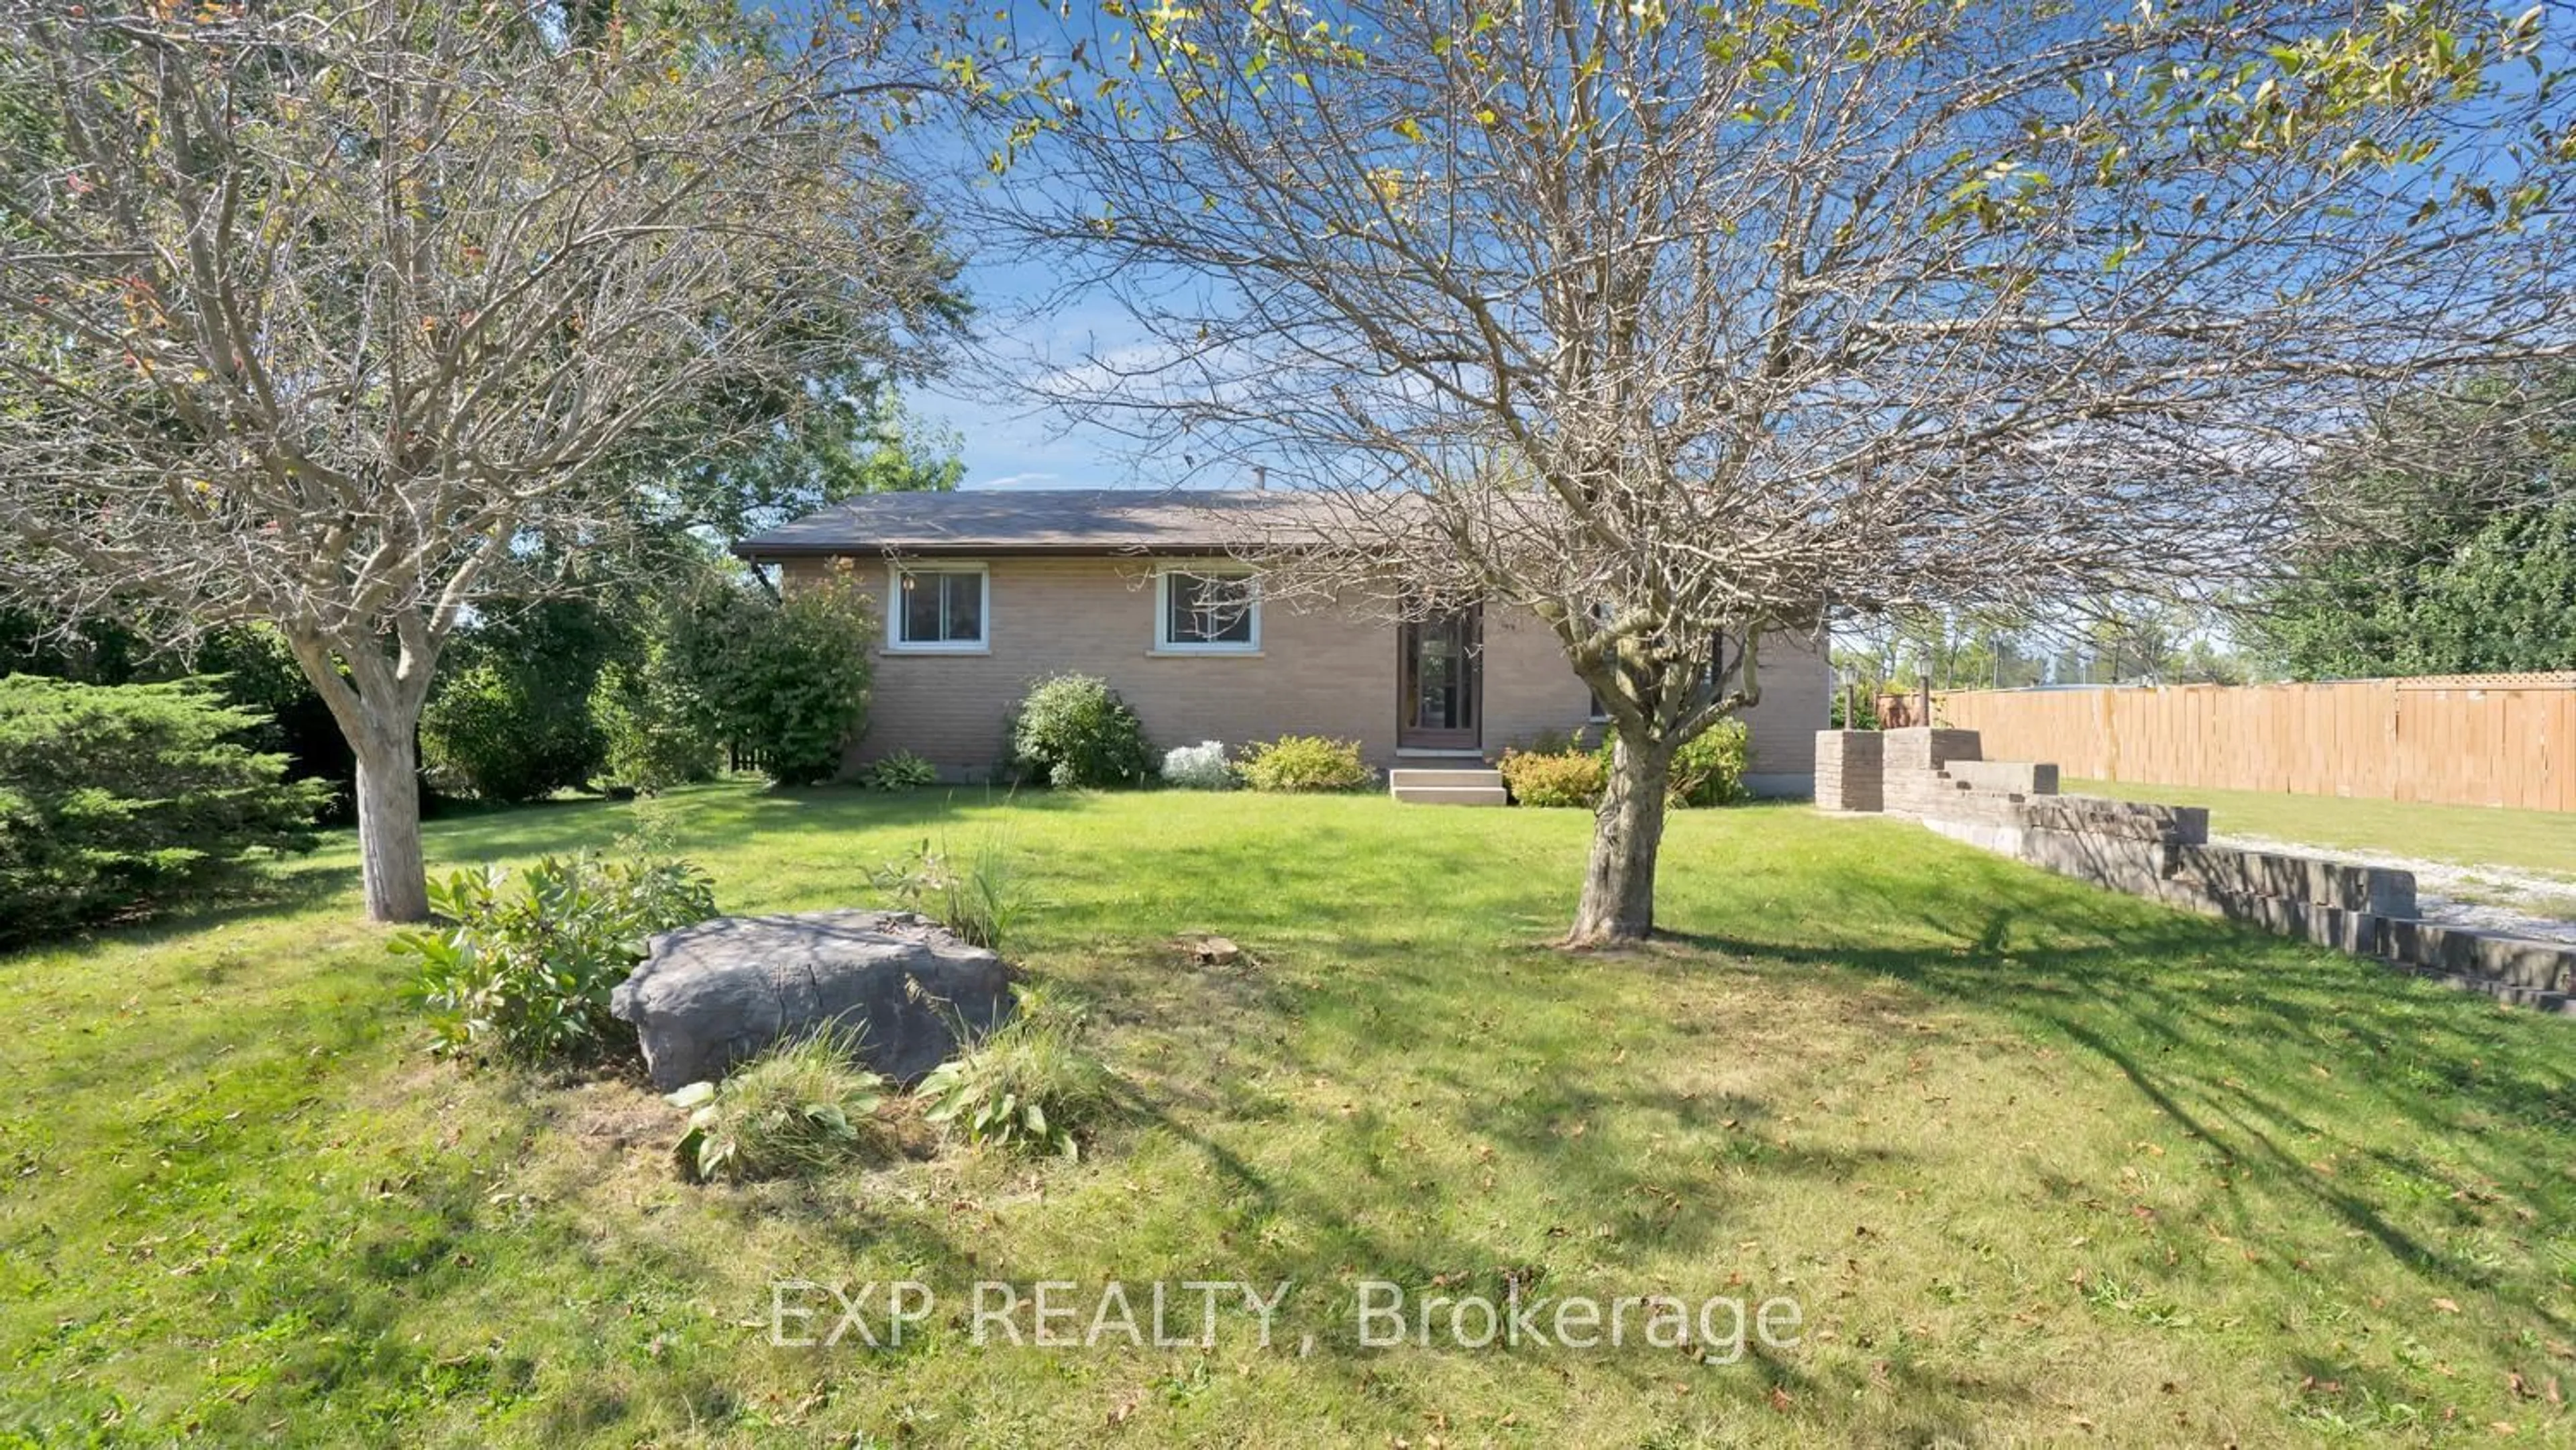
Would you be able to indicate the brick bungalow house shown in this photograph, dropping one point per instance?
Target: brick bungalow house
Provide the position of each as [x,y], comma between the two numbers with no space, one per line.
[984,592]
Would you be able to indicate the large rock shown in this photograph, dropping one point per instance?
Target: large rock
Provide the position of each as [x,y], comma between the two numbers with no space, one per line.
[709,996]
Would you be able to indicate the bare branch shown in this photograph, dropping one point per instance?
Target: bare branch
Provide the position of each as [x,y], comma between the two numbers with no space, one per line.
[316,315]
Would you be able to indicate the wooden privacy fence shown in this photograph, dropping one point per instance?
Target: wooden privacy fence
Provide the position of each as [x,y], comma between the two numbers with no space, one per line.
[2478,740]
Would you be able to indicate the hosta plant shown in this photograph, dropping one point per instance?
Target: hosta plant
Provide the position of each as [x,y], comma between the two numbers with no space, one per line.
[902,770]
[1029,1085]
[521,967]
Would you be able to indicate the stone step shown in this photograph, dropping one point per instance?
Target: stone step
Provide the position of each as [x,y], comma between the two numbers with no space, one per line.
[1404,776]
[2559,1003]
[2014,777]
[1449,795]
[2545,967]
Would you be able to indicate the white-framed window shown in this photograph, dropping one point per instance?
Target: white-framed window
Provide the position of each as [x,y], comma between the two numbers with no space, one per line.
[941,608]
[1206,609]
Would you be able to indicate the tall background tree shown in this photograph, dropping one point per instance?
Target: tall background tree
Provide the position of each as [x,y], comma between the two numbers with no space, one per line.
[514,720]
[2451,546]
[342,318]
[1685,325]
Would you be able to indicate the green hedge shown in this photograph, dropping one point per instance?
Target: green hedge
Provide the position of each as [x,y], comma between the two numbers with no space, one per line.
[1559,778]
[115,799]
[658,731]
[786,680]
[507,736]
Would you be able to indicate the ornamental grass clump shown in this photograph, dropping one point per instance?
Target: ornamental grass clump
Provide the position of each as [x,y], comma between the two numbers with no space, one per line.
[981,896]
[803,1107]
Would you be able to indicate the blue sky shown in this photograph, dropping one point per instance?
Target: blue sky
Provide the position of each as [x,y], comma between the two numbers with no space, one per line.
[1006,437]
[1022,326]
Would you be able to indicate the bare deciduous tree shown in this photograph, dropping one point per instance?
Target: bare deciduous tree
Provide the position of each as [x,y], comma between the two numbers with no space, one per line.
[317,314]
[1688,324]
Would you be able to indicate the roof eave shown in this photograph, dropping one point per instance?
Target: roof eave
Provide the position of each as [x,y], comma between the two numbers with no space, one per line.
[757,552]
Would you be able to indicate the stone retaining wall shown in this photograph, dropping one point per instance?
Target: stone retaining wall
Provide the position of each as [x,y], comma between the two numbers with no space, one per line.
[1939,777]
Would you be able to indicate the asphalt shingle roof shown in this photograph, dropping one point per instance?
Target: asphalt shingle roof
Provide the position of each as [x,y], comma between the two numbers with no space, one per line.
[1050,521]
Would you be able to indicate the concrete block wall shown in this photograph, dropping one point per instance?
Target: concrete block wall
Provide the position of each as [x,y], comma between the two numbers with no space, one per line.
[2373,889]
[1925,747]
[1940,778]
[2534,973]
[2138,820]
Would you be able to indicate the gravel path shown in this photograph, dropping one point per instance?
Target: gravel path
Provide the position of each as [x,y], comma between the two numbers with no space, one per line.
[2488,898]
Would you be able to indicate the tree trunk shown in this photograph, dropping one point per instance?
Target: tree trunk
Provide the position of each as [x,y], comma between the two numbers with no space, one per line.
[1619,883]
[396,880]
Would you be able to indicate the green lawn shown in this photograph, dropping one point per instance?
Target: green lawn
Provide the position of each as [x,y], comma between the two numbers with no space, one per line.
[2542,841]
[2040,1164]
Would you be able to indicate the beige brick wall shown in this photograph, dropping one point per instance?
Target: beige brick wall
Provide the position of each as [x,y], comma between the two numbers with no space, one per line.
[1850,770]
[1529,691]
[1797,696]
[1319,671]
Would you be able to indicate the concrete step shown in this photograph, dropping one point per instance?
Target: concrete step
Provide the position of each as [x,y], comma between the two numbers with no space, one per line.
[1449,795]
[1404,776]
